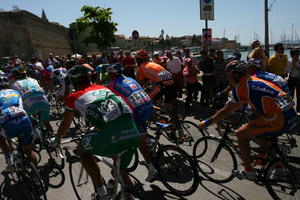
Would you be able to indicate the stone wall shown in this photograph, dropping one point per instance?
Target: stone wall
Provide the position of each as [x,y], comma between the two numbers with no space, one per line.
[24,34]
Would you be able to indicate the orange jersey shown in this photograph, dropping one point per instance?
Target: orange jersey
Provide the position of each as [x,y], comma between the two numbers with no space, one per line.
[154,72]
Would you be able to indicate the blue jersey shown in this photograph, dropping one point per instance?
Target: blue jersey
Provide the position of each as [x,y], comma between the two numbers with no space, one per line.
[11,105]
[132,93]
[273,78]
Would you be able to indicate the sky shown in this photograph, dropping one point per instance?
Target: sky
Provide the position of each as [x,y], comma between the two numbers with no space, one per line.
[235,19]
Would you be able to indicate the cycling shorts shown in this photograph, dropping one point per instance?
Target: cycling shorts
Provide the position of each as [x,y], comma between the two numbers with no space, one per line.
[141,115]
[278,124]
[16,126]
[169,92]
[113,139]
[39,106]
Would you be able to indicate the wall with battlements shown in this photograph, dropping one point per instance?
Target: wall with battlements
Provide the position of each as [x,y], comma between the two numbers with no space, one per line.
[24,34]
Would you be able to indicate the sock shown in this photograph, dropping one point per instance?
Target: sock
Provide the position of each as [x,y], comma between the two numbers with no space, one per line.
[101,191]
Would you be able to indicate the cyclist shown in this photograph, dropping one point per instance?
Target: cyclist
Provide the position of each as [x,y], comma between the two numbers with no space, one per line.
[275,112]
[140,104]
[57,79]
[33,95]
[162,78]
[14,122]
[255,67]
[107,112]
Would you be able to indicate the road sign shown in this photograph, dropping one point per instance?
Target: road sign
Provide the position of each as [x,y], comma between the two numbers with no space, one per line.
[207,9]
[135,34]
[206,36]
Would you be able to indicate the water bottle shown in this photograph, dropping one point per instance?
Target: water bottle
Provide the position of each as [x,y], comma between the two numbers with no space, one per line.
[110,187]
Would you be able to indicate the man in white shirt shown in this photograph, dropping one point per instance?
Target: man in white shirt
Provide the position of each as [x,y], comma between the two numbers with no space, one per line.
[293,69]
[175,66]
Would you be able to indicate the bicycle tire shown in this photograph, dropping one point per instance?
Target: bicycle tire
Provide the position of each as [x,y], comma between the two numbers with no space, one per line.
[134,162]
[276,185]
[206,163]
[53,173]
[180,170]
[32,181]
[81,182]
[188,128]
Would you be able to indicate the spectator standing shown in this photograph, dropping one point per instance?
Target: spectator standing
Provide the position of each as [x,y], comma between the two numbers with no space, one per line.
[190,73]
[219,66]
[195,63]
[175,66]
[206,65]
[258,53]
[293,70]
[129,65]
[278,61]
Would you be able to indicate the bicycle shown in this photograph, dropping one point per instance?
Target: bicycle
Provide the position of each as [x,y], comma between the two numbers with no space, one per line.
[24,174]
[173,164]
[81,182]
[41,141]
[210,151]
[180,132]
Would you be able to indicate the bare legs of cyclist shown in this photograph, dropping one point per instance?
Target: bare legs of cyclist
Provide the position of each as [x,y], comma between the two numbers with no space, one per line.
[146,154]
[244,137]
[30,154]
[4,145]
[90,165]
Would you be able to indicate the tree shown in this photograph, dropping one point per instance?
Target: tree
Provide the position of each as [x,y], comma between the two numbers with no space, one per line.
[97,21]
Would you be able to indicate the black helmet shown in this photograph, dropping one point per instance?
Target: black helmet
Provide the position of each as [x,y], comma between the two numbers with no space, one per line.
[255,62]
[18,73]
[79,74]
[236,66]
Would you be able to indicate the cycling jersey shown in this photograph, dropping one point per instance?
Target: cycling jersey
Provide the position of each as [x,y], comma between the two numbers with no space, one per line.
[277,80]
[274,107]
[155,73]
[108,112]
[33,97]
[138,100]
[58,77]
[13,118]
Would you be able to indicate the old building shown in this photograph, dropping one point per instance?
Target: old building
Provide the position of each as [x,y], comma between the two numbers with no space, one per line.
[24,34]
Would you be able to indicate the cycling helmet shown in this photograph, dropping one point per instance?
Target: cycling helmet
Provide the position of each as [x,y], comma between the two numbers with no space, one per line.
[79,74]
[236,66]
[142,54]
[230,58]
[18,73]
[101,68]
[255,62]
[4,82]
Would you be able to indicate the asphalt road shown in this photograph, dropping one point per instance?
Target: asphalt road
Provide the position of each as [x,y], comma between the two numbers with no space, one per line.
[207,190]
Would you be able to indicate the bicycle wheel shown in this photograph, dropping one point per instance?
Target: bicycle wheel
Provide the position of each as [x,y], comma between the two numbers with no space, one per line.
[215,159]
[32,182]
[177,171]
[80,180]
[134,162]
[56,177]
[283,182]
[185,138]
[56,155]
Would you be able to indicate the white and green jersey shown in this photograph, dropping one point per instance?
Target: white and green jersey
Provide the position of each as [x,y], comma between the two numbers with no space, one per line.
[30,90]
